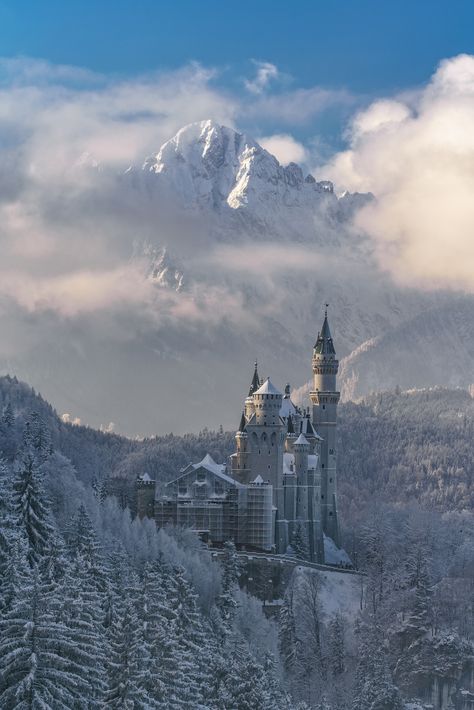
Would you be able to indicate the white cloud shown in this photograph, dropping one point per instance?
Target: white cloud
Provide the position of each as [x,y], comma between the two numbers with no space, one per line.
[284,147]
[266,72]
[297,106]
[417,156]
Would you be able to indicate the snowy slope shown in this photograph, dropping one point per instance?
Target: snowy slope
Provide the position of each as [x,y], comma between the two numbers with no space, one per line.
[434,348]
[217,170]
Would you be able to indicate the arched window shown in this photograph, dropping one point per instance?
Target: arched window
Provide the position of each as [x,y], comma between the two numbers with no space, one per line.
[274,439]
[264,437]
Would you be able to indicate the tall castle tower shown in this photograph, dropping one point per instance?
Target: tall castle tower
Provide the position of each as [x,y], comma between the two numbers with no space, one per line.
[325,397]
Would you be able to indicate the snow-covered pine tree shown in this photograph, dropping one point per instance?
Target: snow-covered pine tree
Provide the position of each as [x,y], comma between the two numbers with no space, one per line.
[126,677]
[6,518]
[31,508]
[37,651]
[81,611]
[246,683]
[287,634]
[40,437]
[336,645]
[231,571]
[158,652]
[8,417]
[299,541]
[374,688]
[192,643]
[82,540]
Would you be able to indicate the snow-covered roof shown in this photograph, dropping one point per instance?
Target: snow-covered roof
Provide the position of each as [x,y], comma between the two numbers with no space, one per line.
[313,461]
[208,463]
[259,480]
[145,477]
[287,407]
[268,388]
[301,440]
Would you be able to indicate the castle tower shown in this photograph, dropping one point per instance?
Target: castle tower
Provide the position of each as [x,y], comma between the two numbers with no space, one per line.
[301,449]
[240,460]
[325,398]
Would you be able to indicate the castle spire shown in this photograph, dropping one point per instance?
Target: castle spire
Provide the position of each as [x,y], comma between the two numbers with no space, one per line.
[242,423]
[324,343]
[255,384]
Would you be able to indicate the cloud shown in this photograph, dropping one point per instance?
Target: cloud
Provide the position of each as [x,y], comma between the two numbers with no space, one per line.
[298,106]
[284,147]
[416,154]
[266,72]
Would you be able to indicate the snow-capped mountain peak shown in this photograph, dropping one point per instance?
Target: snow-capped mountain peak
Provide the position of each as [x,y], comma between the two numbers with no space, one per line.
[210,165]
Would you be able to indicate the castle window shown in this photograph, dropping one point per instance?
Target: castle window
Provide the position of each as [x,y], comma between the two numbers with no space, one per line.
[322,496]
[182,490]
[330,480]
[330,512]
[322,465]
[201,476]
[324,406]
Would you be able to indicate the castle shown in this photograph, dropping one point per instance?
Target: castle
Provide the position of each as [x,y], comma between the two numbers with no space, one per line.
[278,491]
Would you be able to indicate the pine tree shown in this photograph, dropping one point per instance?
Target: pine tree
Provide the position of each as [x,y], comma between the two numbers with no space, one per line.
[191,639]
[6,520]
[374,688]
[126,677]
[244,682]
[8,417]
[30,506]
[299,541]
[39,669]
[40,438]
[337,645]
[158,652]
[81,611]
[231,571]
[82,540]
[287,635]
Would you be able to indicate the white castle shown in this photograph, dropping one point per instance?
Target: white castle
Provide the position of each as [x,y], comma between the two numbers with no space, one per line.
[278,490]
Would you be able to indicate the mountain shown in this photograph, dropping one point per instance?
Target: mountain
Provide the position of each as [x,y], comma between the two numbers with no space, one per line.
[434,348]
[239,254]
[216,170]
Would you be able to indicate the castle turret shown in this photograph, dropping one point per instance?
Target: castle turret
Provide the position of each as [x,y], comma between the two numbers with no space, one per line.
[266,432]
[240,460]
[325,397]
[301,449]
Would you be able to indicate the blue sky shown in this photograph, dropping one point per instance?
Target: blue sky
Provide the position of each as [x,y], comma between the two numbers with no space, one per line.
[366,46]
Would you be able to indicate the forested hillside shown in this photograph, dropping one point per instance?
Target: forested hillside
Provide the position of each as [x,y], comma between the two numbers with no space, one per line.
[120,614]
[399,447]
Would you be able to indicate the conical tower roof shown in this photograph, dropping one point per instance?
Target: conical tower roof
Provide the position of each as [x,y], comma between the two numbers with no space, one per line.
[255,384]
[324,344]
[242,423]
